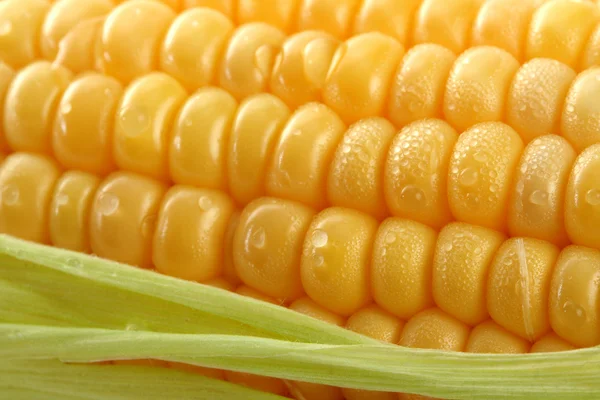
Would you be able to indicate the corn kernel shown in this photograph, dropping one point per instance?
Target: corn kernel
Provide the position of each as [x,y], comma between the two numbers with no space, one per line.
[416,172]
[574,296]
[247,291]
[591,54]
[6,76]
[536,206]
[279,14]
[191,61]
[200,138]
[268,244]
[491,338]
[26,185]
[30,106]
[374,322]
[551,343]
[481,172]
[434,329]
[303,154]
[80,50]
[356,178]
[70,210]
[463,255]
[417,91]
[84,123]
[358,80]
[332,16]
[123,218]
[477,88]
[336,259]
[256,129]
[190,233]
[518,286]
[221,283]
[131,37]
[580,122]
[402,267]
[391,17]
[226,7]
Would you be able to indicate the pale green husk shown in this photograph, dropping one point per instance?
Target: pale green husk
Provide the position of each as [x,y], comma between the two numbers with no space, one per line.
[59,305]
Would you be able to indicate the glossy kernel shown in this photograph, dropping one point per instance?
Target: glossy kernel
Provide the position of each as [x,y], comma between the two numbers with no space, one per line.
[143,122]
[416,172]
[401,269]
[194,62]
[336,259]
[80,49]
[463,255]
[358,80]
[84,124]
[332,16]
[591,53]
[30,106]
[559,30]
[478,85]
[7,74]
[551,343]
[356,173]
[268,244]
[390,17]
[574,296]
[418,87]
[434,329]
[131,38]
[199,140]
[536,97]
[580,122]
[536,207]
[582,206]
[303,154]
[518,286]
[70,210]
[123,218]
[26,185]
[491,338]
[248,60]
[280,14]
[481,172]
[256,128]
[190,233]
[374,322]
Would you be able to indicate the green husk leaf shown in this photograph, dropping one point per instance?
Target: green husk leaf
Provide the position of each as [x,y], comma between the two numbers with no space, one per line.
[56,304]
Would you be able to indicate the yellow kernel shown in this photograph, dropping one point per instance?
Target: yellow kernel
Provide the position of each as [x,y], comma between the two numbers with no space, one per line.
[481,172]
[491,338]
[446,23]
[268,244]
[301,67]
[226,7]
[308,307]
[194,62]
[248,60]
[574,296]
[416,172]
[6,76]
[391,17]
[84,123]
[279,14]
[536,207]
[518,286]
[336,259]
[221,283]
[303,154]
[63,16]
[463,255]
[356,173]
[417,90]
[536,97]
[70,211]
[247,291]
[123,218]
[401,267]
[80,49]
[131,38]
[591,54]
[200,138]
[358,80]
[255,131]
[559,30]
[374,322]
[580,122]
[434,329]
[477,88]
[20,22]
[332,16]
[30,106]
[190,233]
[26,185]
[551,343]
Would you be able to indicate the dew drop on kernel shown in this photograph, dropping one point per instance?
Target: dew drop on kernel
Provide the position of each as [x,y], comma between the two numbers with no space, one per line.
[10,195]
[6,28]
[61,200]
[258,238]
[318,260]
[538,197]
[134,121]
[66,108]
[108,204]
[346,149]
[412,194]
[148,225]
[468,176]
[390,238]
[319,238]
[574,312]
[592,197]
[74,262]
[204,203]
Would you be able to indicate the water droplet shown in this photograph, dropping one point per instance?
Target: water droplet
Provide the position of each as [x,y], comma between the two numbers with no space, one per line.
[477,251]
[468,176]
[574,312]
[107,57]
[177,143]
[108,204]
[472,200]
[74,262]
[480,156]
[61,199]
[451,107]
[205,203]
[258,238]
[138,11]
[319,238]
[570,108]
[346,148]
[390,238]
[447,246]
[10,195]
[66,108]
[363,156]
[134,121]
[108,92]
[593,197]
[318,260]
[6,28]
[523,168]
[539,197]
[148,225]
[413,194]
